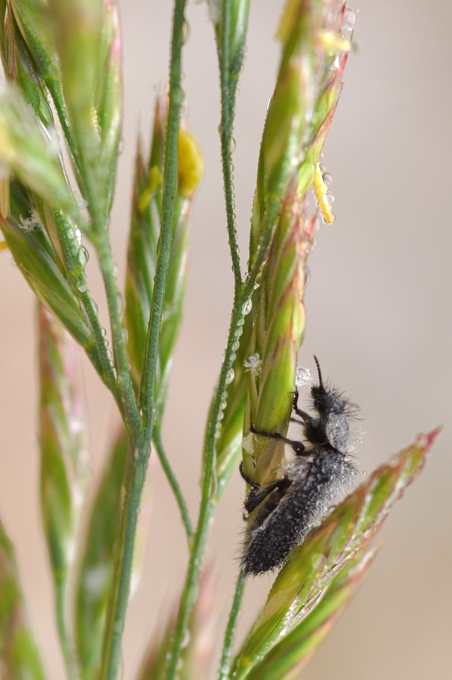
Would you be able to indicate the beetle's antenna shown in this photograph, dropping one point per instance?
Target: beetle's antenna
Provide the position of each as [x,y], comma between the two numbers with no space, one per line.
[319,371]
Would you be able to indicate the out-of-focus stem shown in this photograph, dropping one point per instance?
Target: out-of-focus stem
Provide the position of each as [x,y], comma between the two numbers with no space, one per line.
[226,654]
[174,484]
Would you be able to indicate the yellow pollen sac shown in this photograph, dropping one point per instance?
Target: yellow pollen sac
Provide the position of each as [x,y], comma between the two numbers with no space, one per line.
[191,164]
[320,190]
[155,180]
[334,41]
[287,21]
[4,198]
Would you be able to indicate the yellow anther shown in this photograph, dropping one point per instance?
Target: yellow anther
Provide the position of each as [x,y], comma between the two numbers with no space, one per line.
[288,20]
[191,164]
[320,190]
[4,198]
[155,180]
[332,41]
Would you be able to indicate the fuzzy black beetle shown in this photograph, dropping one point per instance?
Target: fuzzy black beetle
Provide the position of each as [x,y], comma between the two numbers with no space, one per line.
[321,476]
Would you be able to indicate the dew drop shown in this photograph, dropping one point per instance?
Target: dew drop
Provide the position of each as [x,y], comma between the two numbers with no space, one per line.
[327,178]
[230,376]
[125,335]
[322,168]
[70,233]
[332,219]
[336,63]
[119,303]
[115,270]
[303,376]
[363,473]
[178,95]
[247,307]
[185,32]
[307,276]
[104,332]
[95,306]
[329,198]
[233,144]
[349,19]
[82,286]
[84,255]
[235,346]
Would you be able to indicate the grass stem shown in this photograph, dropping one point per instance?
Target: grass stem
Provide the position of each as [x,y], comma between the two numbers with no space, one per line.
[174,484]
[225,665]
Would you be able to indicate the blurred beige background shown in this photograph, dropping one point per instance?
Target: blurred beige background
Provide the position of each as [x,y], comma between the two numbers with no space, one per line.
[378,317]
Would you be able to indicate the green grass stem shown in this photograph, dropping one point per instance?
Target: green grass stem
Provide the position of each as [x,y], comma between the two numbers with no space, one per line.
[225,664]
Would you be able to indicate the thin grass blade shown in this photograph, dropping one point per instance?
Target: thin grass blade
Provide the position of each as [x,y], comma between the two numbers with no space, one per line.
[96,568]
[19,656]
[63,462]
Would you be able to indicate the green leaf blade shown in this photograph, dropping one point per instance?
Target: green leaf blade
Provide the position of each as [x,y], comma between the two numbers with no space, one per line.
[19,656]
[96,568]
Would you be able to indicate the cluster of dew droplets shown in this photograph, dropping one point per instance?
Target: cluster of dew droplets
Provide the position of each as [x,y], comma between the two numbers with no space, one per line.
[80,257]
[328,197]
[303,376]
[327,179]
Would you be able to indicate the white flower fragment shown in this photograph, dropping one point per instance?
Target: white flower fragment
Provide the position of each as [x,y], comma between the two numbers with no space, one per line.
[253,364]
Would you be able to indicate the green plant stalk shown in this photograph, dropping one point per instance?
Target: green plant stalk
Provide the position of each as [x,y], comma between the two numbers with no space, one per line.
[268,222]
[170,172]
[208,501]
[108,377]
[157,439]
[106,374]
[225,664]
[129,407]
[134,477]
[228,91]
[139,446]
